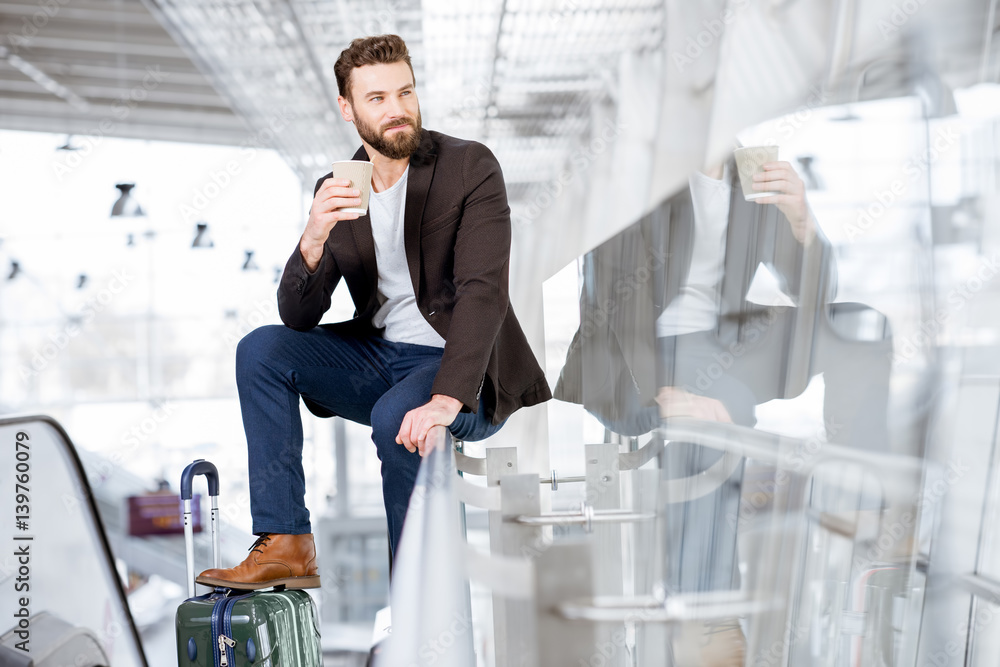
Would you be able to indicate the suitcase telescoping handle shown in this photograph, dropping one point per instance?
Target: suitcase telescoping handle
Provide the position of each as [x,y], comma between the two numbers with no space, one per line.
[199,467]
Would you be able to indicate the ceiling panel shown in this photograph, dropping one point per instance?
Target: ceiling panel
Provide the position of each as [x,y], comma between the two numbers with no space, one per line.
[105,67]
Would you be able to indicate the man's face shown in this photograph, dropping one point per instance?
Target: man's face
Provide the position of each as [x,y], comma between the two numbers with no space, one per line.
[385,109]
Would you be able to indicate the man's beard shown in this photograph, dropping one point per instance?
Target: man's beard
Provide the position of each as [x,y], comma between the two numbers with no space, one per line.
[396,147]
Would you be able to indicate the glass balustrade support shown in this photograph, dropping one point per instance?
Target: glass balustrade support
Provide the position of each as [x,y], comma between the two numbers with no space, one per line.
[520,494]
[710,606]
[470,465]
[603,495]
[555,480]
[981,586]
[587,516]
[500,462]
[565,571]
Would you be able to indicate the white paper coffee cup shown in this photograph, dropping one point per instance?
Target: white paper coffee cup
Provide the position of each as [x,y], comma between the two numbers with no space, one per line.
[359,172]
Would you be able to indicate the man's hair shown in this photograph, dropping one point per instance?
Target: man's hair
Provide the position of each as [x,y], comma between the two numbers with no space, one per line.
[377,50]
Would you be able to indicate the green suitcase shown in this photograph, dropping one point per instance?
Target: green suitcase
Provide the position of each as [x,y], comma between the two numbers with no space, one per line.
[229,628]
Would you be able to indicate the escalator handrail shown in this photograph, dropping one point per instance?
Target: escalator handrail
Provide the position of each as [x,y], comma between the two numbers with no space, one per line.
[87,501]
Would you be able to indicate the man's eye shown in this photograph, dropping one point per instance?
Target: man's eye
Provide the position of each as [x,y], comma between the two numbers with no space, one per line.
[376,99]
[406,92]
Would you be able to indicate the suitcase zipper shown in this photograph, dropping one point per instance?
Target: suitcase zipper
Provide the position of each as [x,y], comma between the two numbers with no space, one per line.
[217,653]
[225,641]
[225,637]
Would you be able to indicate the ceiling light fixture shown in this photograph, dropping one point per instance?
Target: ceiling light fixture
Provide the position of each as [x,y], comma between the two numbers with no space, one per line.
[201,237]
[249,264]
[126,206]
[68,144]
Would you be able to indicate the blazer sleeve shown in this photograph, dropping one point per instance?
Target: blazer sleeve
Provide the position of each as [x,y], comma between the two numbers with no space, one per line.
[807,270]
[304,296]
[482,260]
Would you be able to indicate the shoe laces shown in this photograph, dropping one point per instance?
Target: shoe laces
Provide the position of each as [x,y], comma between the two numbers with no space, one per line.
[261,542]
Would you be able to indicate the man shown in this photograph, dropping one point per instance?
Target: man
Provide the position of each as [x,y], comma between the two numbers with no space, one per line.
[434,340]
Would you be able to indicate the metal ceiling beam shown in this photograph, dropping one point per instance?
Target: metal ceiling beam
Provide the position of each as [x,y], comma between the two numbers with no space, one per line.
[310,51]
[95,54]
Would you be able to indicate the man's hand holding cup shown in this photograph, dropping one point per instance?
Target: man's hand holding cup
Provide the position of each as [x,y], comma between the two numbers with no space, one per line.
[343,196]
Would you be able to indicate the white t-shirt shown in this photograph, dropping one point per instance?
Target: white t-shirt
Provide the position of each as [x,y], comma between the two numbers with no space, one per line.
[695,308]
[398,313]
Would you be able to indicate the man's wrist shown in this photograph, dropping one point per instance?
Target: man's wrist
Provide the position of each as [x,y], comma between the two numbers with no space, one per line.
[311,254]
[448,401]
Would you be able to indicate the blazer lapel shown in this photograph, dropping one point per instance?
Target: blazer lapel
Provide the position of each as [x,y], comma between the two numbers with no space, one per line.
[362,232]
[741,259]
[417,186]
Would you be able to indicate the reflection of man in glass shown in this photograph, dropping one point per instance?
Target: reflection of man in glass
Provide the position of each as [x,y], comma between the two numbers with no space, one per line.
[707,307]
[691,312]
[699,373]
[699,300]
[724,338]
[683,312]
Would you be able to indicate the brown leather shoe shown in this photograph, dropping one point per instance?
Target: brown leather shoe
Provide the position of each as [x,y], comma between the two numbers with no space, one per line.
[274,560]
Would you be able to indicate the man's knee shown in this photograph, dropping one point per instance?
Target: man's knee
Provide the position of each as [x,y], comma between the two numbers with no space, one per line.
[386,420]
[261,343]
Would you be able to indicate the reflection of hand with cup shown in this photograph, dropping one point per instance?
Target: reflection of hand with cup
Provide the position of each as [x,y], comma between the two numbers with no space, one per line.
[335,200]
[750,161]
[766,180]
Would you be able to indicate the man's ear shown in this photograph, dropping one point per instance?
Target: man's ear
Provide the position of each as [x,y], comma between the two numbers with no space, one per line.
[345,109]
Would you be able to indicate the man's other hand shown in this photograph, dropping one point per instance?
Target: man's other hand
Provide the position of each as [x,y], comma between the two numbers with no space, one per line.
[675,402]
[440,410]
[782,178]
[333,195]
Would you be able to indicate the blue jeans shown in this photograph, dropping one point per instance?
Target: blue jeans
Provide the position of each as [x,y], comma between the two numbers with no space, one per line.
[370,380]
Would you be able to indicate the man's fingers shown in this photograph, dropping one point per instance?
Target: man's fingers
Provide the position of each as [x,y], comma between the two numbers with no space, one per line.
[781,173]
[774,184]
[340,201]
[403,437]
[333,183]
[421,435]
[330,218]
[775,199]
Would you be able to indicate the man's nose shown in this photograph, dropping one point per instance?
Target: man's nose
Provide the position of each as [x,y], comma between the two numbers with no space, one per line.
[395,109]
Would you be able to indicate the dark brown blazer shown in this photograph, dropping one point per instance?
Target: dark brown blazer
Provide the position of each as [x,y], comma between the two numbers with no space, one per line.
[456,231]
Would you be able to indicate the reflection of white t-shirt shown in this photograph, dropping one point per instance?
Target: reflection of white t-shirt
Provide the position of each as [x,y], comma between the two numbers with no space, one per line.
[696,308]
[398,313]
